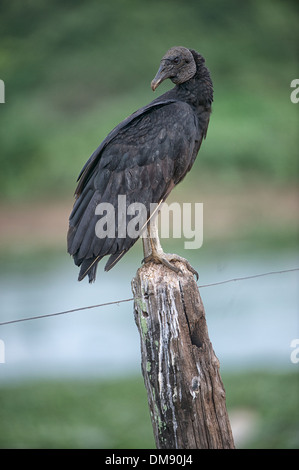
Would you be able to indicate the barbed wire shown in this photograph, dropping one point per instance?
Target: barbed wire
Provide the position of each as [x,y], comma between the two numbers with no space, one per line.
[116,302]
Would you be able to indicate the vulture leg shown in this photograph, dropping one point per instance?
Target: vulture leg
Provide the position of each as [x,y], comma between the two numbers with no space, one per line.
[153,250]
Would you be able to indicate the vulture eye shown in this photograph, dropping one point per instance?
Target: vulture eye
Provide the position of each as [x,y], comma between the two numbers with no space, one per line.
[176,60]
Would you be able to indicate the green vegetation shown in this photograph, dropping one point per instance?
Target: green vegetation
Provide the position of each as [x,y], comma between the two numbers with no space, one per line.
[275,400]
[74,69]
[114,414]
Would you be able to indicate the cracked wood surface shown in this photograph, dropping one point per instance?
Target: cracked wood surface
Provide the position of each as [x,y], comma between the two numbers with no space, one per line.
[181,371]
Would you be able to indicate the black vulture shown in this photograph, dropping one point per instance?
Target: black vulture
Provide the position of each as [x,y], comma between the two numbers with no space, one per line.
[143,158]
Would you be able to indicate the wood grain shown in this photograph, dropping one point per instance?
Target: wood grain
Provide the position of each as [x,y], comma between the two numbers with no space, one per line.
[181,371]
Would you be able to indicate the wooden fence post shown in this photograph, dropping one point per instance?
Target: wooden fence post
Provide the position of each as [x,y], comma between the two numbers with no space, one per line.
[181,371]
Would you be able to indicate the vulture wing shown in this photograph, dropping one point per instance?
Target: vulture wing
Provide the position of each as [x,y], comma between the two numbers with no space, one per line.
[143,158]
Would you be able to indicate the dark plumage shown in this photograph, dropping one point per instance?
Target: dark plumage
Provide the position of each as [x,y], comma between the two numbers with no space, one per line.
[144,157]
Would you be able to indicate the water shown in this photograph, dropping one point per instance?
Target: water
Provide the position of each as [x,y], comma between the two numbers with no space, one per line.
[251,323]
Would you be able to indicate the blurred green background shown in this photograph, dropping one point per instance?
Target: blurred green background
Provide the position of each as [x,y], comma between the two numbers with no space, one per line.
[72,71]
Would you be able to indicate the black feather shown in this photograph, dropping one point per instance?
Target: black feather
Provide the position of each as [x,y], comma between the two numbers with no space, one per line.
[143,158]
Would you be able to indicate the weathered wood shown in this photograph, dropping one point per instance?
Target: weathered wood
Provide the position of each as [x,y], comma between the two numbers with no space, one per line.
[180,369]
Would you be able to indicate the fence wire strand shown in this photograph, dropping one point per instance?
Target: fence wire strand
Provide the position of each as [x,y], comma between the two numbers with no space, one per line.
[116,302]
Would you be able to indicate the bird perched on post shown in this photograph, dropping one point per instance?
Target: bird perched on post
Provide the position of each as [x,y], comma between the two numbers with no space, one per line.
[143,158]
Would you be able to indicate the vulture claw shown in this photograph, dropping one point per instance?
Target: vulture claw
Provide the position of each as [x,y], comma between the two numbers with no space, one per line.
[166,258]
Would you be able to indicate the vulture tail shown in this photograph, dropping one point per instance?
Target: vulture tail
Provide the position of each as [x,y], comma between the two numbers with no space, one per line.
[113,259]
[89,266]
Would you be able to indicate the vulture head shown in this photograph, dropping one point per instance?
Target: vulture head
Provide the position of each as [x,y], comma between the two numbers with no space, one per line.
[178,64]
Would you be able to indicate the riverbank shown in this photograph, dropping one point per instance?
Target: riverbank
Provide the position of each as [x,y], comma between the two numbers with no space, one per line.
[248,213]
[113,414]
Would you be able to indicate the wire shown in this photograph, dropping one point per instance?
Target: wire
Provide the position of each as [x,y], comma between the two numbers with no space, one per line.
[65,312]
[249,277]
[115,302]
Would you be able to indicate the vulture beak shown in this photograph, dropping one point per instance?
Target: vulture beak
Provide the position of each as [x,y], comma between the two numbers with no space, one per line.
[161,75]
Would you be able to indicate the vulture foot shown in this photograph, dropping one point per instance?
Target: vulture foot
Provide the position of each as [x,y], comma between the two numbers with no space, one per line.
[166,258]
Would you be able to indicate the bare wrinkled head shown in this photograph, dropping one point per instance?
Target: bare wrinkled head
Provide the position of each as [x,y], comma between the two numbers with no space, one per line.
[177,64]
